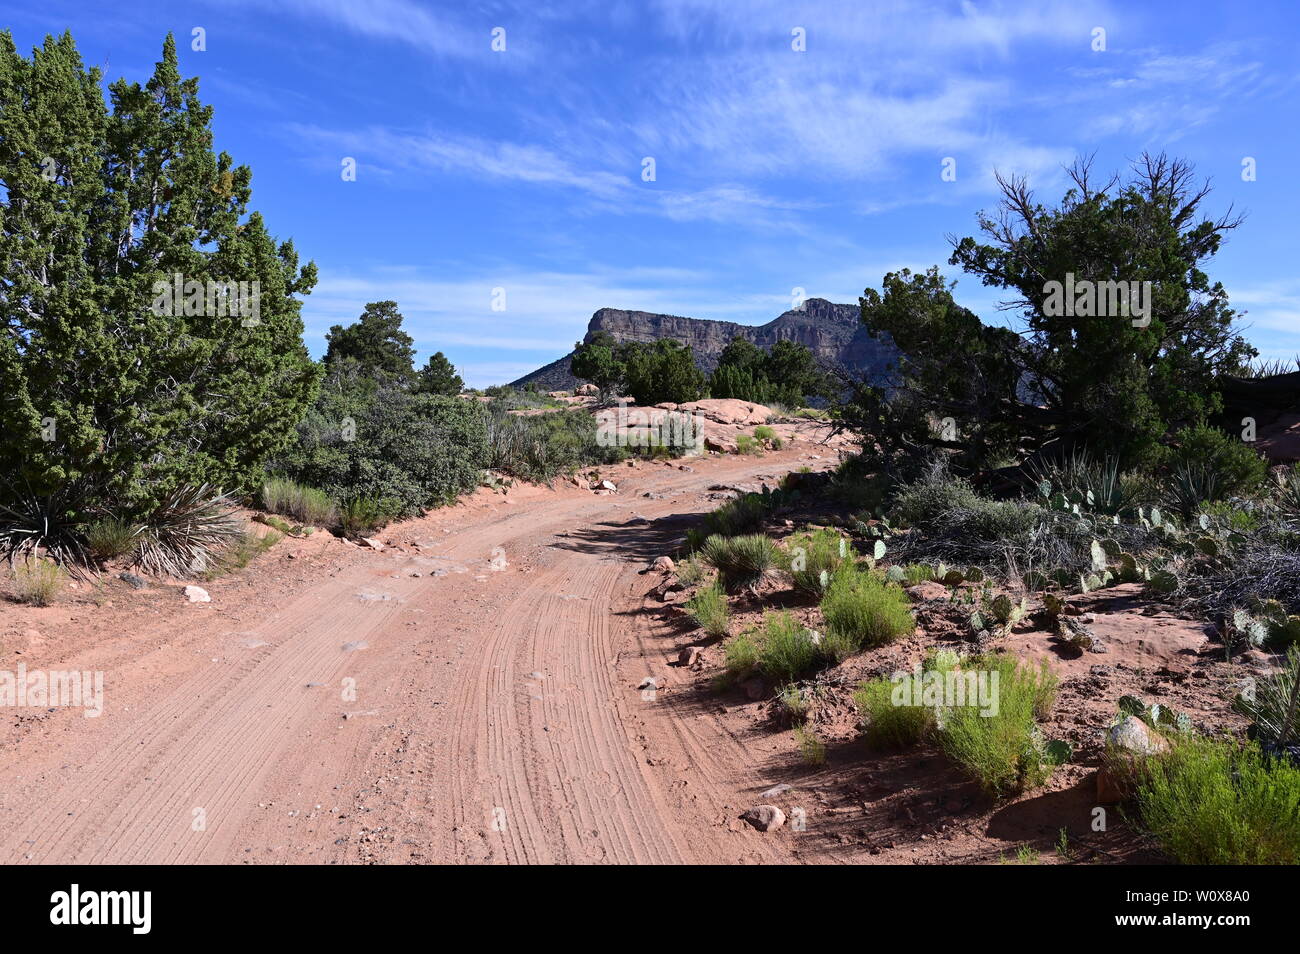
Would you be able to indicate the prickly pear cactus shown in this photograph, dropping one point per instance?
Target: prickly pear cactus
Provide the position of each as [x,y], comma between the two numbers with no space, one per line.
[1098,555]
[1163,582]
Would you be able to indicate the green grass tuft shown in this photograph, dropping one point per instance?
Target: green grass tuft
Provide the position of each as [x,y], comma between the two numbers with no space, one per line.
[36,580]
[865,611]
[709,608]
[741,562]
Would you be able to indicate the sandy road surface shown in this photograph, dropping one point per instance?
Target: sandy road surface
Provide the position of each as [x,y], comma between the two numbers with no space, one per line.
[360,713]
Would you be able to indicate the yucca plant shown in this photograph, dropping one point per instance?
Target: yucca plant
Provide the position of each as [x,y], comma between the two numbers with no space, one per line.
[1287,495]
[1274,706]
[32,523]
[181,533]
[1190,485]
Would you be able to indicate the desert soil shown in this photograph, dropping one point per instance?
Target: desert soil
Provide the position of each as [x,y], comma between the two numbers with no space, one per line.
[471,693]
[494,714]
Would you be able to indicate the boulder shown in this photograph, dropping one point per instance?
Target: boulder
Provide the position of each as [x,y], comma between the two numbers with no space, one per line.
[765,817]
[1135,737]
[586,389]
[197,594]
[664,564]
[726,411]
[372,543]
[690,656]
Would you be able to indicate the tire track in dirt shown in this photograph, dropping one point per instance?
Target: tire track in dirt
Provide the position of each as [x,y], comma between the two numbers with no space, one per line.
[583,769]
[207,742]
[552,766]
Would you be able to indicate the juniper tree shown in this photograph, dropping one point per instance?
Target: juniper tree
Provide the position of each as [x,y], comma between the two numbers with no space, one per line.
[597,360]
[1104,371]
[101,205]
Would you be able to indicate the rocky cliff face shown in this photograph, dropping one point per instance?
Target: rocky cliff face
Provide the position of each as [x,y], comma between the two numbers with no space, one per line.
[834,333]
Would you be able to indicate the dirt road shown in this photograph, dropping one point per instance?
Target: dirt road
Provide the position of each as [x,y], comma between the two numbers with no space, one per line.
[469,694]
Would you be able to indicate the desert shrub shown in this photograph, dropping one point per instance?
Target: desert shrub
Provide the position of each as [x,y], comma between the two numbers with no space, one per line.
[1210,802]
[810,559]
[36,580]
[709,608]
[690,571]
[1262,567]
[793,702]
[1005,752]
[1229,516]
[539,447]
[182,533]
[812,414]
[764,433]
[933,496]
[366,440]
[307,505]
[950,523]
[505,398]
[111,537]
[243,551]
[744,514]
[747,445]
[1206,463]
[915,573]
[886,725]
[740,655]
[741,562]
[864,610]
[811,749]
[786,650]
[359,516]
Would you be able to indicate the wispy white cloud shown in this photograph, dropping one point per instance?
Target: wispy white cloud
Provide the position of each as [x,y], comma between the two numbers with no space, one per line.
[433,31]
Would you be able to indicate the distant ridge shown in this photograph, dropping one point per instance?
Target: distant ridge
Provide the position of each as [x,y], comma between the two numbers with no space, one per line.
[834,333]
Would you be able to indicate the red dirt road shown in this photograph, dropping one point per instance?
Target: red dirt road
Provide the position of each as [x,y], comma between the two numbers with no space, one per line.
[330,707]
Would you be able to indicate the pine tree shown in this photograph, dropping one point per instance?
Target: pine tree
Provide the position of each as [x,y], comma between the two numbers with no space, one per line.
[376,340]
[439,377]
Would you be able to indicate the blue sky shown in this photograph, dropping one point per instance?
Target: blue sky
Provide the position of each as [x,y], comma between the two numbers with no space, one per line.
[774,169]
